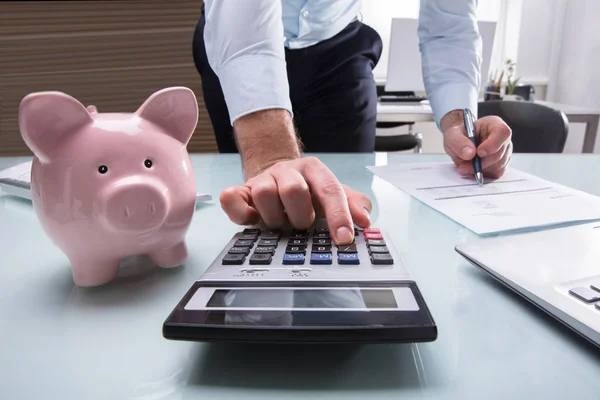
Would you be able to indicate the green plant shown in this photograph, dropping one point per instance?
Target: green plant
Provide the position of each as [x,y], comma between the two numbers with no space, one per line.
[511,81]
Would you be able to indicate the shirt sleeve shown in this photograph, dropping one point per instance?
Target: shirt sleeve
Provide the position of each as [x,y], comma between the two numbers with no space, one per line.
[450,47]
[244,43]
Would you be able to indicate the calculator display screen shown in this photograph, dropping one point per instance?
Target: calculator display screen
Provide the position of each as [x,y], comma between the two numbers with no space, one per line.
[297,307]
[300,298]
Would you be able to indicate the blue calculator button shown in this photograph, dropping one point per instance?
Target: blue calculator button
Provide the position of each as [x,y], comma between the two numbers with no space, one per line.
[320,258]
[293,258]
[348,258]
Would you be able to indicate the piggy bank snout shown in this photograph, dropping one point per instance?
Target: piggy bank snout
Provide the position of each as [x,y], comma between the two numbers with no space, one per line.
[135,204]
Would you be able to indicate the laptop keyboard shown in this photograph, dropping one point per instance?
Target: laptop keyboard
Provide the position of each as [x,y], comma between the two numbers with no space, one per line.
[586,294]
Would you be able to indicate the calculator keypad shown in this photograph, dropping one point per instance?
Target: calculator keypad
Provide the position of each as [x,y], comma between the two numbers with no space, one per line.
[311,246]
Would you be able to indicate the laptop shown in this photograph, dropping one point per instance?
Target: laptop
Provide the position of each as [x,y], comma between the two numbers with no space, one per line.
[557,270]
[16,181]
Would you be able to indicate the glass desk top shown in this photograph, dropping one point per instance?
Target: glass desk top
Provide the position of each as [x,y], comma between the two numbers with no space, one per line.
[63,342]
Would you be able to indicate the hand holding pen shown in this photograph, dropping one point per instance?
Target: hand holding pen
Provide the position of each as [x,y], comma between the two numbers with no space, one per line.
[481,148]
[470,127]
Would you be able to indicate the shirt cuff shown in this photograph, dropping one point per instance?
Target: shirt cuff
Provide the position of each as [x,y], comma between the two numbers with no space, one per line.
[453,96]
[254,83]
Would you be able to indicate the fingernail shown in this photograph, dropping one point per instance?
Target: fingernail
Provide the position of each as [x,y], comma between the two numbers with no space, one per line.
[368,214]
[466,152]
[482,153]
[344,235]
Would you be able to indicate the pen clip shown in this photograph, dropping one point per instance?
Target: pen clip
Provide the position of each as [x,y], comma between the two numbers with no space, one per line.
[469,122]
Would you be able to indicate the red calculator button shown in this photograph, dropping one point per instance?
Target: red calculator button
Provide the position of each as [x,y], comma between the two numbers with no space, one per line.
[371,230]
[373,236]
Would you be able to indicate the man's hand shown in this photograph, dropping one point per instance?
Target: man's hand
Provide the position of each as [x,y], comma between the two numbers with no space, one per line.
[494,144]
[298,191]
[282,187]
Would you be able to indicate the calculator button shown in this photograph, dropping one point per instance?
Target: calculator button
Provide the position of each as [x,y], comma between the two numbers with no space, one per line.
[350,248]
[299,235]
[243,243]
[378,249]
[585,294]
[239,250]
[321,258]
[321,230]
[248,236]
[267,242]
[321,249]
[371,230]
[381,258]
[321,235]
[260,259]
[254,231]
[376,242]
[233,259]
[293,258]
[322,242]
[375,236]
[295,249]
[270,237]
[271,234]
[348,258]
[264,250]
[297,242]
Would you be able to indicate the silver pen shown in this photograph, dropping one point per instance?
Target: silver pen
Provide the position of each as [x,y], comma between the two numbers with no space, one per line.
[470,127]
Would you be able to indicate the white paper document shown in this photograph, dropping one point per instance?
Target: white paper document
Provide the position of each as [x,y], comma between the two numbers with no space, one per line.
[515,201]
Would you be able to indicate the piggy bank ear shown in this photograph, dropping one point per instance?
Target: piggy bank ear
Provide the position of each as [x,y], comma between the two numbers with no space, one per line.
[173,109]
[47,118]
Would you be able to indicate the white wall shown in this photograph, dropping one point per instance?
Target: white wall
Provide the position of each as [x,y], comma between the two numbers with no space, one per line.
[535,40]
[577,81]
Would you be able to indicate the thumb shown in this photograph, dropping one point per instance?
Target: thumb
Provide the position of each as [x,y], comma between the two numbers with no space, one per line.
[237,204]
[360,207]
[459,144]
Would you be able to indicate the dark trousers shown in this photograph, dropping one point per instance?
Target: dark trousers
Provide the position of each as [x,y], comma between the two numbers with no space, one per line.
[332,91]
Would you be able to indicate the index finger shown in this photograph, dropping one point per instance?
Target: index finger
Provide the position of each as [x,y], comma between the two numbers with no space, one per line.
[330,193]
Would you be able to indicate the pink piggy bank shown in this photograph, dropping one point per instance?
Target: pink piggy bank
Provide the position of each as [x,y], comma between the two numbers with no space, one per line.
[106,186]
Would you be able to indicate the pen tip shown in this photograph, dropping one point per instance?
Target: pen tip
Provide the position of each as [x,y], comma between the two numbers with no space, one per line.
[479,177]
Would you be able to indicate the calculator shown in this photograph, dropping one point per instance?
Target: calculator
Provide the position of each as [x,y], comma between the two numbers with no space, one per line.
[296,286]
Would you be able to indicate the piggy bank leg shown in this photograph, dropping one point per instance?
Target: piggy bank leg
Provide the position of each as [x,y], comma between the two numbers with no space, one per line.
[88,272]
[171,256]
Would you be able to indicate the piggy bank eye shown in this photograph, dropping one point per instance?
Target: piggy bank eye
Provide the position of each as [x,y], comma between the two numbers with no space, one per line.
[148,163]
[103,169]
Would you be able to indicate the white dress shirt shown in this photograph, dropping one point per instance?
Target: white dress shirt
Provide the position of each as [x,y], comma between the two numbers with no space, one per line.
[245,43]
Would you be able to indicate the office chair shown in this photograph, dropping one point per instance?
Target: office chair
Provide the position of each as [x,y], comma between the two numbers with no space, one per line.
[536,128]
[400,142]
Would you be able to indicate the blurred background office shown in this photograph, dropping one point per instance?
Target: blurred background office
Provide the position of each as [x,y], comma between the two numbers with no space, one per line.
[114,54]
